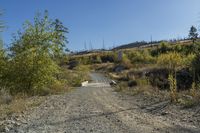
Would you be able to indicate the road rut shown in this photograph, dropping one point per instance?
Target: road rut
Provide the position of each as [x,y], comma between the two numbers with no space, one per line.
[96,108]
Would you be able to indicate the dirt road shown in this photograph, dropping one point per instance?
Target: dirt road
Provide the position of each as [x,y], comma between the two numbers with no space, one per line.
[96,108]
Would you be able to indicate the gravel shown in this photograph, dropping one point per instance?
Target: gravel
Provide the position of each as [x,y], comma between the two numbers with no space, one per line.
[96,108]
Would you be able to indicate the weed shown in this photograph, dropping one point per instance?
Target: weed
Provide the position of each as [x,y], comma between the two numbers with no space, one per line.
[173,88]
[193,89]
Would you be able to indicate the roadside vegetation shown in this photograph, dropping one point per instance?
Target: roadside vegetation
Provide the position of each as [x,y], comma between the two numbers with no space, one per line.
[34,64]
[169,70]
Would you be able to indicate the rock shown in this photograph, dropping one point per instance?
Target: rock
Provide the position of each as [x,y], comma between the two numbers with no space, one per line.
[84,83]
[6,129]
[164,113]
[72,64]
[13,122]
[132,83]
[18,124]
[112,83]
[119,68]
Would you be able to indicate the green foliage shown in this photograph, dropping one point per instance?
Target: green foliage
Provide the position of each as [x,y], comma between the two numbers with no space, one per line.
[98,59]
[47,34]
[187,49]
[193,34]
[31,71]
[125,61]
[187,60]
[178,48]
[163,48]
[142,56]
[3,68]
[35,51]
[75,77]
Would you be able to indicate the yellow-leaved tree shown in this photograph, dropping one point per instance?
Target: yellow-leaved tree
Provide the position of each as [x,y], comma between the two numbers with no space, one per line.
[172,61]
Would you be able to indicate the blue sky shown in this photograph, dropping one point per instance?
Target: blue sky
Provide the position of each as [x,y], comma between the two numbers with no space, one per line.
[114,21]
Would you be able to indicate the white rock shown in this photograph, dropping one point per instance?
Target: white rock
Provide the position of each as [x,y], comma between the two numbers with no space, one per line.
[84,83]
[7,129]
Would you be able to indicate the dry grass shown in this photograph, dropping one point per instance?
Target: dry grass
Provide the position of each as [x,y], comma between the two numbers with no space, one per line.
[20,102]
[18,105]
[5,97]
[104,67]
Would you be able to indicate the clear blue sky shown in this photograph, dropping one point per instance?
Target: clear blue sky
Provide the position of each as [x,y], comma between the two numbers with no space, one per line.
[115,21]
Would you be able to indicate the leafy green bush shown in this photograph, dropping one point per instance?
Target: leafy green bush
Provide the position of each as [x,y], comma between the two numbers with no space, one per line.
[142,56]
[188,60]
[30,71]
[34,56]
[163,48]
[3,68]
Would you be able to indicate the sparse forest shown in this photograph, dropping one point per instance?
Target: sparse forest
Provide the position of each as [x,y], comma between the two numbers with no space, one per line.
[165,66]
[136,87]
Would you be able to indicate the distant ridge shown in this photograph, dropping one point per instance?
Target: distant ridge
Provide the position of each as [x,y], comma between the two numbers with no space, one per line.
[136,44]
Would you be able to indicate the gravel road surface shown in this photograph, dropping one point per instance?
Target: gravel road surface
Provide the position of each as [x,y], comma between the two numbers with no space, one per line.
[96,108]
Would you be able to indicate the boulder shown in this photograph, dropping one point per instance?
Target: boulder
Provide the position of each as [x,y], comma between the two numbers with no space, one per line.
[72,64]
[119,68]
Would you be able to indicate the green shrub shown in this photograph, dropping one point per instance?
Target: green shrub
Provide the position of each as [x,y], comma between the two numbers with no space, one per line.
[163,48]
[142,56]
[188,60]
[31,71]
[3,68]
[34,54]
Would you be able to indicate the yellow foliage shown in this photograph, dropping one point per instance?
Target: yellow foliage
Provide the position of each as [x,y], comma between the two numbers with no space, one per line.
[189,59]
[142,56]
[170,60]
[173,88]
